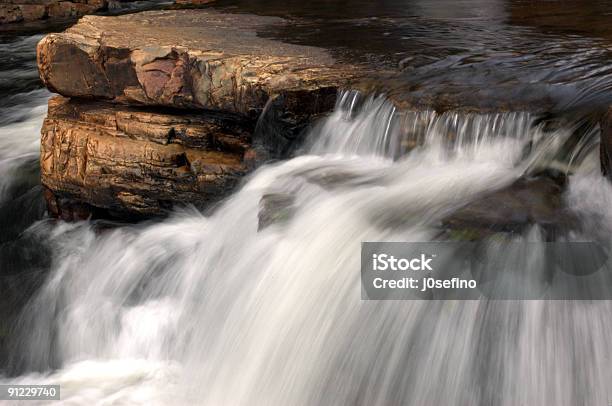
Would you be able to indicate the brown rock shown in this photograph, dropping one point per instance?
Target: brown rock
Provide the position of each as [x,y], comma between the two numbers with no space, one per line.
[65,9]
[33,12]
[10,13]
[198,59]
[133,162]
[13,11]
[179,93]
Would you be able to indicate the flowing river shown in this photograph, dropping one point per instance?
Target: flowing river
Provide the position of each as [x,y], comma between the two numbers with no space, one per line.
[214,309]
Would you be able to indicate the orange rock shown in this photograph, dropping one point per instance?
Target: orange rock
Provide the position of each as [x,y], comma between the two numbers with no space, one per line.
[179,93]
[138,163]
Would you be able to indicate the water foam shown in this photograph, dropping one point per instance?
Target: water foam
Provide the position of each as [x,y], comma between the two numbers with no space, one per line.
[213,310]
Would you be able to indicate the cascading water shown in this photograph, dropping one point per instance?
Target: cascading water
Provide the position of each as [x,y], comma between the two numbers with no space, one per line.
[23,258]
[219,310]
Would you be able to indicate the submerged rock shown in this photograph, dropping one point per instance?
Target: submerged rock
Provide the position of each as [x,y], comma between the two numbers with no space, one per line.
[531,200]
[275,208]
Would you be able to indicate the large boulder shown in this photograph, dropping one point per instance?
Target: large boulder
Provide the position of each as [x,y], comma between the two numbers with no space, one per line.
[196,59]
[172,107]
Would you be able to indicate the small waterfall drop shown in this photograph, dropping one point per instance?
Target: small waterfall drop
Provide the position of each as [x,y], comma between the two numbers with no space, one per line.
[219,310]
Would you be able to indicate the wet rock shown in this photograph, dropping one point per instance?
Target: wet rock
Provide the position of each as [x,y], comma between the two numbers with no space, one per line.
[13,11]
[285,121]
[275,208]
[531,200]
[133,162]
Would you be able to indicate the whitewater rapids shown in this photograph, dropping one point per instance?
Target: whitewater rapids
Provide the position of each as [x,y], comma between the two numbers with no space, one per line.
[208,309]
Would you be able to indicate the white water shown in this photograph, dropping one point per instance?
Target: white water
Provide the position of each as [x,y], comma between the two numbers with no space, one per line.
[20,136]
[209,310]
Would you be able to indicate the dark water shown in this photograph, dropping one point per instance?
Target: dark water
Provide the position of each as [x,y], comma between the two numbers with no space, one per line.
[483,53]
[23,256]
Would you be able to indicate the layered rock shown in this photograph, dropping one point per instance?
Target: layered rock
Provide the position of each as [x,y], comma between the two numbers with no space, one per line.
[176,111]
[187,59]
[13,11]
[134,162]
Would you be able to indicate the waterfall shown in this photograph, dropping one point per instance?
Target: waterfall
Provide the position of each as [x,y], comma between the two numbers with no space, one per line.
[220,310]
[22,110]
[518,137]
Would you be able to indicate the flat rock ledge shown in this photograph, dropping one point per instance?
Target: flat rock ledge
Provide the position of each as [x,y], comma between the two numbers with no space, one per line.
[167,108]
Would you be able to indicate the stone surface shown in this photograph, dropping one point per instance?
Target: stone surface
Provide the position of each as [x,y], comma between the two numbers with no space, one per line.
[175,112]
[132,162]
[198,59]
[275,208]
[14,11]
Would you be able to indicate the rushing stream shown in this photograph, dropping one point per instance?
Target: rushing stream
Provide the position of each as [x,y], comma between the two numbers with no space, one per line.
[215,309]
[211,310]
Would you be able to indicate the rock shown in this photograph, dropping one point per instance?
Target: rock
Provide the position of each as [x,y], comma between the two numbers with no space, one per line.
[275,208]
[167,114]
[65,9]
[197,59]
[532,200]
[133,162]
[10,13]
[14,11]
